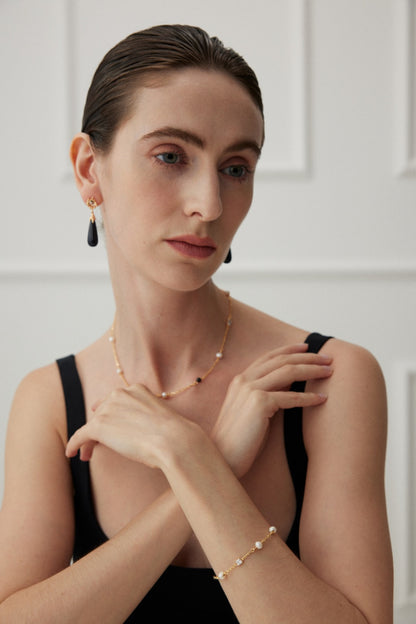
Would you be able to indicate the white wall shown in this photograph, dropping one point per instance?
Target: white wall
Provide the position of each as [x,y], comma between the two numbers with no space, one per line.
[329,243]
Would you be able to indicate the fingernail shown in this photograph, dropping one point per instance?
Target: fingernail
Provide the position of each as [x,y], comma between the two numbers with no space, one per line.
[326,358]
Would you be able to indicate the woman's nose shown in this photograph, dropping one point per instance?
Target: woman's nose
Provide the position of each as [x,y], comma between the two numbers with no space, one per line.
[204,197]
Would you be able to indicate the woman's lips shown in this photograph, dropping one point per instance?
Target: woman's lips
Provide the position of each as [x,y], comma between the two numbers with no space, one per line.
[193,246]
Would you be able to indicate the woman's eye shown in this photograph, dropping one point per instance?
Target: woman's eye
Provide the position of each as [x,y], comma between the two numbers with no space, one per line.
[236,171]
[169,158]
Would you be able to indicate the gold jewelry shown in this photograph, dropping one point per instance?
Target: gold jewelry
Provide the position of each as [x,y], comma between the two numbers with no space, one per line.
[92,228]
[238,562]
[218,356]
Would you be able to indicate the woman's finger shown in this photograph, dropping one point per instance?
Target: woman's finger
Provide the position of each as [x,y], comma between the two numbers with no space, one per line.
[87,450]
[80,438]
[289,399]
[271,355]
[278,361]
[285,376]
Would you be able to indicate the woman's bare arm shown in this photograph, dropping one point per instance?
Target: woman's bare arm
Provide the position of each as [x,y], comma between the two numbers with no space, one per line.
[224,518]
[349,587]
[346,571]
[344,513]
[36,527]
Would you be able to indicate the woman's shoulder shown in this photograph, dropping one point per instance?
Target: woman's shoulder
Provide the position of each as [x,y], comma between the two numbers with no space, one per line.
[259,331]
[355,363]
[260,328]
[39,400]
[356,408]
[279,333]
[43,382]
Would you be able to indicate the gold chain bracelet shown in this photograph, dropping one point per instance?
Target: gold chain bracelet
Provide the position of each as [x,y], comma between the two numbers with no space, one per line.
[238,562]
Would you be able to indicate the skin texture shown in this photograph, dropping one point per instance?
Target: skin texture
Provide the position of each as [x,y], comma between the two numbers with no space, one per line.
[183,164]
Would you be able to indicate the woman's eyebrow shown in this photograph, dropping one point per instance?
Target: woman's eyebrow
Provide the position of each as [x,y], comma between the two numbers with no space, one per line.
[175,133]
[245,144]
[194,139]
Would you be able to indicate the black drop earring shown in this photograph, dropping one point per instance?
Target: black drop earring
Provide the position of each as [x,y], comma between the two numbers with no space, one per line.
[228,257]
[92,228]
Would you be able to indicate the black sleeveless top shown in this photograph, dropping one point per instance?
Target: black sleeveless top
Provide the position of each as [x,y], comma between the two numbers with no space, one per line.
[189,594]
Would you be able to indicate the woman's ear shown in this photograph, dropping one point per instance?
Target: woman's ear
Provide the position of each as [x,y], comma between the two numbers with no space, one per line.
[84,162]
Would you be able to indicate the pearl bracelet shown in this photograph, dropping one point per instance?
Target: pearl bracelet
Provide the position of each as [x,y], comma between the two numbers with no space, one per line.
[238,562]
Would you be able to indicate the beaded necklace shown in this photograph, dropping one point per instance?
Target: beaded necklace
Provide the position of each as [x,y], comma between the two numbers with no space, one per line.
[167,395]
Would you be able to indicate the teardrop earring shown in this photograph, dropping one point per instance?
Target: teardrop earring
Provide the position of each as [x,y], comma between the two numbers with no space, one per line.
[92,228]
[228,257]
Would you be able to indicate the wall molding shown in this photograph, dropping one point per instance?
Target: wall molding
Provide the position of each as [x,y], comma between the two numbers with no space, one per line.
[297,166]
[406,87]
[318,269]
[403,437]
[69,126]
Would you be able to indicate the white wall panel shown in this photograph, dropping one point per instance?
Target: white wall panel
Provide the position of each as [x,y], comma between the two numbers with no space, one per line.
[280,60]
[406,86]
[403,487]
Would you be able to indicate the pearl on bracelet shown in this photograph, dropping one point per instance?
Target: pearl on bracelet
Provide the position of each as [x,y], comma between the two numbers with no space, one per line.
[239,562]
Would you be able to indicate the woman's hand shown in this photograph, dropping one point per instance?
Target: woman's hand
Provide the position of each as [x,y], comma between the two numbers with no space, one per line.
[140,426]
[256,394]
[134,423]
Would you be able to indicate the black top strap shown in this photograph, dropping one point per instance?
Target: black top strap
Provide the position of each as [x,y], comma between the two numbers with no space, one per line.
[74,398]
[295,448]
[88,534]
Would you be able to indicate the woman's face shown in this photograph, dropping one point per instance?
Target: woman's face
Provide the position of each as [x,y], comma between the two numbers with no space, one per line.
[178,180]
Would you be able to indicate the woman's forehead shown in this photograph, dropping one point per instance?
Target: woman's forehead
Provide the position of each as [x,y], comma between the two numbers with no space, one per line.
[196,99]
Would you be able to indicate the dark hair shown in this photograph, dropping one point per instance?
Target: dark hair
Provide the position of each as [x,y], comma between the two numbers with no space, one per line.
[161,48]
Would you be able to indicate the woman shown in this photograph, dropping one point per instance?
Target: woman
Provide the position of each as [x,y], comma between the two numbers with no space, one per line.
[193,495]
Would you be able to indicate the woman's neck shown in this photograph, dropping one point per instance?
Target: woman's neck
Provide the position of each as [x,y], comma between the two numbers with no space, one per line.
[166,338]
